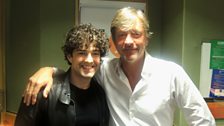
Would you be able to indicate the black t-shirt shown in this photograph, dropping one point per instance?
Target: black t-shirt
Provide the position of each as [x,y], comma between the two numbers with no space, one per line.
[86,106]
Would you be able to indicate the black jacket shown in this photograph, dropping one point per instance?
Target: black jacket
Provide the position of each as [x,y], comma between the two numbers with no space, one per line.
[58,109]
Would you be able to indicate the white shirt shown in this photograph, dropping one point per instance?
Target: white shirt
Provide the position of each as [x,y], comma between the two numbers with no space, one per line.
[163,86]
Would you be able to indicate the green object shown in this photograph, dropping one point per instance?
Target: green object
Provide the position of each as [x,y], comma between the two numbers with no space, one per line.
[217,54]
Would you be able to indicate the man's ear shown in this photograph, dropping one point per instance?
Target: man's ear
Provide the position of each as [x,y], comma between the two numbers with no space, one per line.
[69,57]
[147,42]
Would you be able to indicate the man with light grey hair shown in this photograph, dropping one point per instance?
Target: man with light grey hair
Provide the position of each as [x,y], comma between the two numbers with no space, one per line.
[141,90]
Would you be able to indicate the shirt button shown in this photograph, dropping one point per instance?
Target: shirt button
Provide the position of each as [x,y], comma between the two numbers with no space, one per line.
[131,101]
[131,114]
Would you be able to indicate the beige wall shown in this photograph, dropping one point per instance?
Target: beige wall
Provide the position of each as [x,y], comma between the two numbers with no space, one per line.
[35,34]
[185,24]
[2,57]
[1,45]
[37,29]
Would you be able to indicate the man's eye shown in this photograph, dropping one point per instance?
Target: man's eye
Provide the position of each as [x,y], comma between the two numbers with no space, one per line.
[122,34]
[136,34]
[81,53]
[97,53]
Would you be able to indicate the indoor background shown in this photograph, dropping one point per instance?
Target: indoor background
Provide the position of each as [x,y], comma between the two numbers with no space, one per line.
[32,33]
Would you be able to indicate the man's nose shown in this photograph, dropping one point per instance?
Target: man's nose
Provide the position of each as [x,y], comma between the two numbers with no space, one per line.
[129,40]
[89,58]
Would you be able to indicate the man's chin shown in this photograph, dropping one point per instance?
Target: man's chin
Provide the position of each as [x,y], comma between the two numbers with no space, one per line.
[130,58]
[88,75]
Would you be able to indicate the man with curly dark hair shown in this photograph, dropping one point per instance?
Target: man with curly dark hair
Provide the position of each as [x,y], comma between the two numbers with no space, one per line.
[76,99]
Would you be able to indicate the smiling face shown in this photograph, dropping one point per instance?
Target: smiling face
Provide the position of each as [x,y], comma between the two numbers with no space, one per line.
[130,33]
[131,42]
[85,61]
[83,49]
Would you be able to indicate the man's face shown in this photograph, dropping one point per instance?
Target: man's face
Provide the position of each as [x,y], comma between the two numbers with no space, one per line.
[85,61]
[131,43]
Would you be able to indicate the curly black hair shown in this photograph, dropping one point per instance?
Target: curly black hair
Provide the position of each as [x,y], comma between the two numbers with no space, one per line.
[84,35]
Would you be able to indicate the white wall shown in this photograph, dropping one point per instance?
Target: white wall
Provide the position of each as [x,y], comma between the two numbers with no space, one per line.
[100,13]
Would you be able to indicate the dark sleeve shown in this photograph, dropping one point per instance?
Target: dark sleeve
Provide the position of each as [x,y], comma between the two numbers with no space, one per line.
[25,115]
[32,115]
